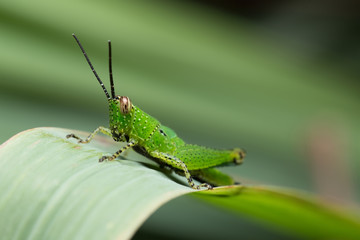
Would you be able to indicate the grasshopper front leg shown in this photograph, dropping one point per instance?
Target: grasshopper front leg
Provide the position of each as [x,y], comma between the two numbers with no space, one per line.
[104,130]
[176,162]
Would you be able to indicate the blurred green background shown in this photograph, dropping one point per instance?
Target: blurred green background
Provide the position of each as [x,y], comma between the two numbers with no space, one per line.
[277,78]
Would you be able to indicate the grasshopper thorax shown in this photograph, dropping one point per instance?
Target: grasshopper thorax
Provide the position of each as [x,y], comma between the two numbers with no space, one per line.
[125,104]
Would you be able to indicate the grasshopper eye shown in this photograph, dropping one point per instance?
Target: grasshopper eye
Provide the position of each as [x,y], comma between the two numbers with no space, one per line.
[125,104]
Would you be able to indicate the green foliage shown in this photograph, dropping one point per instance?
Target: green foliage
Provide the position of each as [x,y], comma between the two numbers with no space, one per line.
[53,188]
[290,210]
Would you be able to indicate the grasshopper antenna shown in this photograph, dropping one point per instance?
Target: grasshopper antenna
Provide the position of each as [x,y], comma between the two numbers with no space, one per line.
[91,66]
[110,72]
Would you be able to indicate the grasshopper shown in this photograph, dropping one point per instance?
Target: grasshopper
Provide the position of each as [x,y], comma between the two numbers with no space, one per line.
[147,136]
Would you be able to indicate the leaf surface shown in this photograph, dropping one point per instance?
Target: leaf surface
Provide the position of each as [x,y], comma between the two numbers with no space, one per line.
[54,188]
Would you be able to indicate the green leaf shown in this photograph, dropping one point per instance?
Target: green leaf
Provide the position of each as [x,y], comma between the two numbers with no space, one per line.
[53,188]
[289,210]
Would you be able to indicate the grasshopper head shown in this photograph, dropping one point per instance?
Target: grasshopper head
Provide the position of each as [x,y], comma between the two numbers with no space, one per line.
[120,116]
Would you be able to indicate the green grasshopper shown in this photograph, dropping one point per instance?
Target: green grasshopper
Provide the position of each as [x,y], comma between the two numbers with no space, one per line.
[148,137]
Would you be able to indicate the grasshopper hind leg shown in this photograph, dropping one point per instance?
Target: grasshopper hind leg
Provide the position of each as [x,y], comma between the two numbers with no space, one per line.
[212,176]
[176,162]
